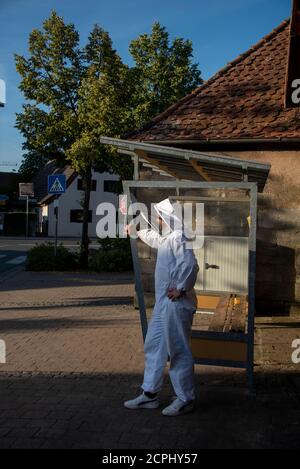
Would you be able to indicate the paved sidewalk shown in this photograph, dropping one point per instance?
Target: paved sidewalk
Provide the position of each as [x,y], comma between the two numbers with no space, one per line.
[74,353]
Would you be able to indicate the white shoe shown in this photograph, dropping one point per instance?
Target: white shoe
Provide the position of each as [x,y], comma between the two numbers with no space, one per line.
[178,407]
[142,402]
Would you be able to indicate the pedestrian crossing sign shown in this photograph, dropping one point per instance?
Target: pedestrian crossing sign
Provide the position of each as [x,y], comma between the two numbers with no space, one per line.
[56,184]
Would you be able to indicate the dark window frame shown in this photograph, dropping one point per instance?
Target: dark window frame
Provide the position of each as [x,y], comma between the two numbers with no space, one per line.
[112,182]
[93,185]
[76,218]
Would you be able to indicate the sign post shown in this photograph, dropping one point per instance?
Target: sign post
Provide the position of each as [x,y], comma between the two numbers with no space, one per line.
[56,186]
[27,215]
[56,205]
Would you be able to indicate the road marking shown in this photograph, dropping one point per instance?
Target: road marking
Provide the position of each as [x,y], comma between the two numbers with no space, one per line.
[17,260]
[27,244]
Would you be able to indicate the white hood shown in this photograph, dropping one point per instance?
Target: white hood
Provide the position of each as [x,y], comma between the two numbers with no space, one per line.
[167,212]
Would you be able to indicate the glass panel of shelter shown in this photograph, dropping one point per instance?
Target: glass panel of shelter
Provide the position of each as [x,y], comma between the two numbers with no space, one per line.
[223,252]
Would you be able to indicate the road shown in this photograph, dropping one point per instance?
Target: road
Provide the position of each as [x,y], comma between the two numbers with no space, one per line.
[11,259]
[13,251]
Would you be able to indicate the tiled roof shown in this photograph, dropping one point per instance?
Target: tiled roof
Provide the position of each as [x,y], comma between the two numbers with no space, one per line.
[244,100]
[40,182]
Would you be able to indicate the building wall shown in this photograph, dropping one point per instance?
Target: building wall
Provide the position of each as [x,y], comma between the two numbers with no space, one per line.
[71,199]
[278,236]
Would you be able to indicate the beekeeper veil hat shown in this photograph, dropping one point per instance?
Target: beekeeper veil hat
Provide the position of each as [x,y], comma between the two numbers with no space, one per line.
[171,214]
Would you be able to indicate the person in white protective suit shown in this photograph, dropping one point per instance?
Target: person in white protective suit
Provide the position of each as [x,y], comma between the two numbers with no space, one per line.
[170,326]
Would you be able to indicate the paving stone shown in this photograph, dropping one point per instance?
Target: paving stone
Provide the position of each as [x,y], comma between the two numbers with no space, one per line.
[75,358]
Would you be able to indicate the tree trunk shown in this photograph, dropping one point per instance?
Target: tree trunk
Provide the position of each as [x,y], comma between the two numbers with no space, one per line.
[84,247]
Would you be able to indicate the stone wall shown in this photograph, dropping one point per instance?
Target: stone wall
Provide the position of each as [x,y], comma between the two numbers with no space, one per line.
[278,236]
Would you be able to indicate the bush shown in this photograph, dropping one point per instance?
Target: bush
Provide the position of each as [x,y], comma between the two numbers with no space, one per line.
[42,258]
[113,255]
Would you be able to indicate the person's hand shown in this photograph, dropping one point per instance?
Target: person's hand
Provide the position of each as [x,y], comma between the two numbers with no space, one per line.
[128,229]
[174,294]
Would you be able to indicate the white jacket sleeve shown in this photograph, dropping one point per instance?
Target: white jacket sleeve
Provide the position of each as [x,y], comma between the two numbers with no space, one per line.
[185,267]
[150,237]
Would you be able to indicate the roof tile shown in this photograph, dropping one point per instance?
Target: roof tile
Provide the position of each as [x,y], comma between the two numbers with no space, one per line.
[243,100]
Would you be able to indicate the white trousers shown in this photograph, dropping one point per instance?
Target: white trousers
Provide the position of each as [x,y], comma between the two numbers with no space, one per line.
[169,335]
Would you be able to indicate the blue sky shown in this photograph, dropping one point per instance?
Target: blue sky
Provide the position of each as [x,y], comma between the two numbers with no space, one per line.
[219,29]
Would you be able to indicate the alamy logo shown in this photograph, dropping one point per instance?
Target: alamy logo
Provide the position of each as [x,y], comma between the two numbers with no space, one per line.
[296,352]
[2,351]
[187,217]
[296,92]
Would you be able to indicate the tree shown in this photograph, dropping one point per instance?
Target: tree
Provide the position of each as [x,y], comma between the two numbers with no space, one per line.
[164,72]
[31,165]
[67,85]
[76,94]
[39,140]
[103,109]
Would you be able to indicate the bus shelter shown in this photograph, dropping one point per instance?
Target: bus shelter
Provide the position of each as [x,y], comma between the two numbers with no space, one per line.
[226,188]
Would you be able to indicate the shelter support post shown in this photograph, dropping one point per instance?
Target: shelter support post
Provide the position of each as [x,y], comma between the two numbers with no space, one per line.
[137,275]
[136,174]
[211,348]
[251,283]
[245,173]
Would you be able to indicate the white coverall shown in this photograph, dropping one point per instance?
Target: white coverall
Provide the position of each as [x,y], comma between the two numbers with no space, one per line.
[170,326]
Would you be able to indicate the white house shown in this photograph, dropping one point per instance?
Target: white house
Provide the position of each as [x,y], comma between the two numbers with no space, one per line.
[104,189]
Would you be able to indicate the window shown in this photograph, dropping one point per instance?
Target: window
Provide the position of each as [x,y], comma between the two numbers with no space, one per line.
[76,216]
[80,185]
[111,186]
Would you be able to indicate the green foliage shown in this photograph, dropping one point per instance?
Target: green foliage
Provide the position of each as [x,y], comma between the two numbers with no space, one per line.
[103,106]
[31,165]
[163,73]
[77,94]
[50,78]
[42,258]
[114,255]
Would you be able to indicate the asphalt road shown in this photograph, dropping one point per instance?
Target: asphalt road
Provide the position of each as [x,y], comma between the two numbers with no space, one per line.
[10,259]
[13,251]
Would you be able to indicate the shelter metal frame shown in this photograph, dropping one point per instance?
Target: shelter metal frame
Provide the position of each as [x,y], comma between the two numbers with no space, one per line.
[184,165]
[239,339]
